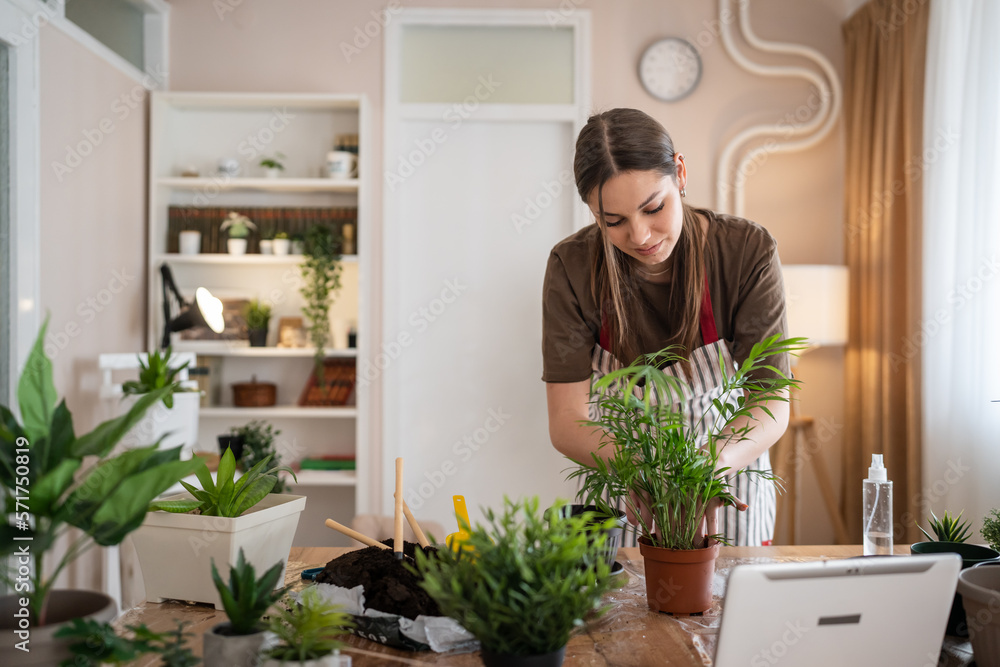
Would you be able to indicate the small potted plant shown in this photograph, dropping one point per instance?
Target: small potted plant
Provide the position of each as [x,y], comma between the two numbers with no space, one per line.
[75,481]
[282,244]
[257,443]
[950,535]
[522,584]
[189,241]
[239,227]
[214,522]
[309,633]
[266,242]
[273,166]
[257,315]
[246,599]
[94,644]
[656,456]
[298,244]
[174,420]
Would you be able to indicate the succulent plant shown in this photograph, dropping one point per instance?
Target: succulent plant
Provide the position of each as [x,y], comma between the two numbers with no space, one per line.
[948,528]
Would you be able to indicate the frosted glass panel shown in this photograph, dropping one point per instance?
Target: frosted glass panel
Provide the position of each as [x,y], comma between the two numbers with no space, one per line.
[502,65]
[115,23]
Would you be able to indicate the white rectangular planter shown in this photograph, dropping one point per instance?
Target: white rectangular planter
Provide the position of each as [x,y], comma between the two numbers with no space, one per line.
[176,550]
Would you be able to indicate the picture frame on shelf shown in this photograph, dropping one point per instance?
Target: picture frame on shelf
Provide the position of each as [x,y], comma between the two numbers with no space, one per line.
[291,332]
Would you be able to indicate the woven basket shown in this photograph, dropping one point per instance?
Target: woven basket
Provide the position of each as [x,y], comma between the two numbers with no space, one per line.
[254,394]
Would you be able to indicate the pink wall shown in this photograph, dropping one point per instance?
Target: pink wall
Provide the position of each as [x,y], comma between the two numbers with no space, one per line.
[92,183]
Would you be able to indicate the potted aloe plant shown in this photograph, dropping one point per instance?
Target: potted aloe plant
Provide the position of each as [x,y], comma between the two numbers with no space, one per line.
[308,632]
[239,641]
[214,522]
[172,421]
[52,480]
[950,536]
[649,452]
[523,583]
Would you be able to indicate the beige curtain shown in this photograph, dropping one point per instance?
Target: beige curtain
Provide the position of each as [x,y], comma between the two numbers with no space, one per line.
[885,46]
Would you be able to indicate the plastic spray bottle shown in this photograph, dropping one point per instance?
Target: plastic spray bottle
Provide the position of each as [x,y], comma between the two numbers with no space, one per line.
[877,517]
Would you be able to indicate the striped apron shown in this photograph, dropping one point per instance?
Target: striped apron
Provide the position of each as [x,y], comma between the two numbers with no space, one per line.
[755,526]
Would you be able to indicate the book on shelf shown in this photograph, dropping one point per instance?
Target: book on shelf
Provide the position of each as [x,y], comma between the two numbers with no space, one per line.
[332,462]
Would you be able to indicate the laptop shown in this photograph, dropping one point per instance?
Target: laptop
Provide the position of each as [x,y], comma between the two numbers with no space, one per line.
[880,610]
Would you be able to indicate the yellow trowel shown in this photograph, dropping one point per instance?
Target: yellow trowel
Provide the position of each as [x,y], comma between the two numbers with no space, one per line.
[458,540]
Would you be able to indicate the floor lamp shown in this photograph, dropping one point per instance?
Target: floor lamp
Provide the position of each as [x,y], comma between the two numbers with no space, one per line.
[816,303]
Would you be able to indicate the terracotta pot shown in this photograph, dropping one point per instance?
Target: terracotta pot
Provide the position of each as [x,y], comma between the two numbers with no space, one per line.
[678,581]
[45,650]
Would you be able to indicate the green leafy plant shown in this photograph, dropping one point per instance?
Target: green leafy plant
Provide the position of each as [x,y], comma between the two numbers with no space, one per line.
[239,226]
[657,459]
[528,581]
[246,598]
[309,629]
[991,529]
[43,476]
[95,644]
[321,270]
[258,443]
[948,528]
[156,372]
[281,235]
[276,162]
[267,233]
[257,314]
[229,496]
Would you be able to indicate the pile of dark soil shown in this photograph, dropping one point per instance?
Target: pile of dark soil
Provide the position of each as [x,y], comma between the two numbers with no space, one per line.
[389,586]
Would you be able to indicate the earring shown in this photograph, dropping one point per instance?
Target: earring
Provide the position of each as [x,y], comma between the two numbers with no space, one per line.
[684,192]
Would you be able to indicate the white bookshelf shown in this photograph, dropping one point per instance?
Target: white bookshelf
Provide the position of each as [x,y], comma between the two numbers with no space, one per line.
[194,131]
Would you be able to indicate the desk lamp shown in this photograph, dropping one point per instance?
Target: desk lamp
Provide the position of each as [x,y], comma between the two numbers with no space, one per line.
[205,311]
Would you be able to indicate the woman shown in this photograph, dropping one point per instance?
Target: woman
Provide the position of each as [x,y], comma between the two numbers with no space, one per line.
[653,272]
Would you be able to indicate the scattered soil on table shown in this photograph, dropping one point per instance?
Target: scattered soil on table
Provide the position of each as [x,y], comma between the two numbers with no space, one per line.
[389,586]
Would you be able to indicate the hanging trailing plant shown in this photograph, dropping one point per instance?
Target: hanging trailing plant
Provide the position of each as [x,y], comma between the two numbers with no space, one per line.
[321,269]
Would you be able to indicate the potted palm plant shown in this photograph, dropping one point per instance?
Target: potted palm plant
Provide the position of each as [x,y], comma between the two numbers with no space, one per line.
[308,632]
[173,420]
[651,459]
[214,522]
[238,642]
[62,480]
[239,227]
[523,583]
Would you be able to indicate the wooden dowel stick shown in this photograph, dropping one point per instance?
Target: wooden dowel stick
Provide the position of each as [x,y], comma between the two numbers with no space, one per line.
[397,540]
[354,535]
[415,526]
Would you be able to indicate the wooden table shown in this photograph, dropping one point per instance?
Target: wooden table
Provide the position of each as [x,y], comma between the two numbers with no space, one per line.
[628,635]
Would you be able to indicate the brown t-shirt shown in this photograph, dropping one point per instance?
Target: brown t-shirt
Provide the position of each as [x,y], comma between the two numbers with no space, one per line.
[744,279]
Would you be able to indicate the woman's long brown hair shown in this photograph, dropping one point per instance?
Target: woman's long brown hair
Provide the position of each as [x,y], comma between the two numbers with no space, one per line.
[615,142]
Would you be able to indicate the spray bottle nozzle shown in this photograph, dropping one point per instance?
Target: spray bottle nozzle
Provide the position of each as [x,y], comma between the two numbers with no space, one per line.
[877,471]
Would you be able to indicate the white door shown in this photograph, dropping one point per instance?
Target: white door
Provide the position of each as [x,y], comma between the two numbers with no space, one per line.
[478,188]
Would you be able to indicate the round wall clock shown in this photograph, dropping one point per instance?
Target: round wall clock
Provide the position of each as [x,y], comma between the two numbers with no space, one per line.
[670,69]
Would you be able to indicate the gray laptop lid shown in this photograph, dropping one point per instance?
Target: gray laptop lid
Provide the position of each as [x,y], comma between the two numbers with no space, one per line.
[888,610]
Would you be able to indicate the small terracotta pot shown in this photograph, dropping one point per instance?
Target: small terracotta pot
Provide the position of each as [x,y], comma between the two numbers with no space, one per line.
[678,581]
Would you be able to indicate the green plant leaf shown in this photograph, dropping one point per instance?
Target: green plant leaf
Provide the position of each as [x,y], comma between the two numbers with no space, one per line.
[36,392]
[174,506]
[47,491]
[102,439]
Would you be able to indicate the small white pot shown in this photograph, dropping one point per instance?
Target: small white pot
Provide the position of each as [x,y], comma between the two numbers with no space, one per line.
[298,247]
[220,650]
[272,173]
[236,246]
[282,246]
[266,247]
[175,551]
[190,242]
